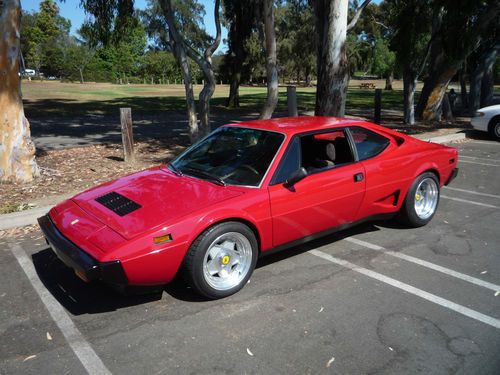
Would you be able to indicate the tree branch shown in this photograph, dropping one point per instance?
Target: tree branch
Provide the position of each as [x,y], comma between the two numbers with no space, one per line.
[359,10]
[211,49]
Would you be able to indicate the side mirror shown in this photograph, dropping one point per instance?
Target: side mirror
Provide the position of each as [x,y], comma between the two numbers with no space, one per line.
[299,174]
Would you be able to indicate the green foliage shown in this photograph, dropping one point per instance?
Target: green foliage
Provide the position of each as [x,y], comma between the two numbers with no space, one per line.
[409,27]
[43,35]
[189,16]
[384,59]
[295,39]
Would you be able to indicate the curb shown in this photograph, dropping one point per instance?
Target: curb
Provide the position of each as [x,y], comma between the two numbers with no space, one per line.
[445,138]
[23,218]
[28,217]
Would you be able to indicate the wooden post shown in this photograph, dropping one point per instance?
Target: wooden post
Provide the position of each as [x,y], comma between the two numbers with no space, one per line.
[127,134]
[291,94]
[378,106]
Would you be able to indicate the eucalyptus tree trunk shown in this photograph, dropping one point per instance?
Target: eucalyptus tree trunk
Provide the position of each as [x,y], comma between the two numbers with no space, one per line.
[431,98]
[388,81]
[183,62]
[17,151]
[181,51]
[485,64]
[271,61]
[487,87]
[234,88]
[409,88]
[333,69]
[463,87]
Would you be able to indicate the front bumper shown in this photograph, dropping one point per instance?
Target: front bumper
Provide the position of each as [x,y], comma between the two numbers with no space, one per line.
[85,266]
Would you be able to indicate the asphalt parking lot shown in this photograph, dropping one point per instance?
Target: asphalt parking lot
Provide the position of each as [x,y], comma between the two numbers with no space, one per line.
[377,299]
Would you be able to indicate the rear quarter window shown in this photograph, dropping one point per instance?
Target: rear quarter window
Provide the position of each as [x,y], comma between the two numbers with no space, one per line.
[368,144]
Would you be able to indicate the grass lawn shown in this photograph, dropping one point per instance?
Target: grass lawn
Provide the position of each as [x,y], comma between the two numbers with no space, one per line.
[68,99]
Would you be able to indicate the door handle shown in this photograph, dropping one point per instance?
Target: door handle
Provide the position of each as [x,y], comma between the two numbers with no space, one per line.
[358,177]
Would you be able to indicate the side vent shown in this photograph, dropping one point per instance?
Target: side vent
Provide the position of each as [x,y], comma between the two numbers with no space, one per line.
[117,203]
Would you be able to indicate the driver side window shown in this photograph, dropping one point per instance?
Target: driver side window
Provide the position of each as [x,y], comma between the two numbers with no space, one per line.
[316,153]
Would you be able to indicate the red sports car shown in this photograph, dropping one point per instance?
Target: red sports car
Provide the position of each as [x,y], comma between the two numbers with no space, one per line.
[243,190]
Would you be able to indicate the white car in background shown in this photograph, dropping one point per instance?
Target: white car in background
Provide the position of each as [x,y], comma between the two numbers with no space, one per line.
[487,119]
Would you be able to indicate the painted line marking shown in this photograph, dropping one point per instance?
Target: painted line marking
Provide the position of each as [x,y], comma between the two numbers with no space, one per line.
[485,143]
[472,192]
[423,263]
[410,289]
[82,349]
[475,162]
[477,158]
[468,201]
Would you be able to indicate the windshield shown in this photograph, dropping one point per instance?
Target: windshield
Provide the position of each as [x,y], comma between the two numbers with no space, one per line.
[231,155]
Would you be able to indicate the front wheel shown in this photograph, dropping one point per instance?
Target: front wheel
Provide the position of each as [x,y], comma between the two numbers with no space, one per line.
[221,260]
[421,202]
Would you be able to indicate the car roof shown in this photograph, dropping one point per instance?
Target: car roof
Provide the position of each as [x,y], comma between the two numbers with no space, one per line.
[294,125]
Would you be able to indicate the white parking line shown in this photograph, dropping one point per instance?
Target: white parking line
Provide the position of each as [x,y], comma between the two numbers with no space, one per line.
[76,341]
[423,263]
[472,192]
[479,163]
[469,201]
[477,158]
[410,289]
[486,143]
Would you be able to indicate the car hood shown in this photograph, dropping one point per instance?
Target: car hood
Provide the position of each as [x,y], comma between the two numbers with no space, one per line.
[158,197]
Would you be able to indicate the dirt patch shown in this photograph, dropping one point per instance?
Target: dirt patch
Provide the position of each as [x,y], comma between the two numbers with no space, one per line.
[76,169]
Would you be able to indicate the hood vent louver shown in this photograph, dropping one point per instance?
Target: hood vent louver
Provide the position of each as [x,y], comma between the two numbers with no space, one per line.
[117,203]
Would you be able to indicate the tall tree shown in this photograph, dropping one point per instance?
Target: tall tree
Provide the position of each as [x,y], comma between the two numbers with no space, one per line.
[332,63]
[109,20]
[271,60]
[481,61]
[409,23]
[296,48]
[457,29]
[17,151]
[43,36]
[241,16]
[202,59]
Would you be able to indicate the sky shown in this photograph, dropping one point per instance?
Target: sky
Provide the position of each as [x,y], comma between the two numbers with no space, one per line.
[71,9]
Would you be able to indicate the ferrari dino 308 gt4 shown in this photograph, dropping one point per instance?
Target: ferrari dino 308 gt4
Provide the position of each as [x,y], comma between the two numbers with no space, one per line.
[241,191]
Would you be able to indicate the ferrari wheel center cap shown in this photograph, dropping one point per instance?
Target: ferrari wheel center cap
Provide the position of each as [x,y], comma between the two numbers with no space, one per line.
[418,197]
[225,259]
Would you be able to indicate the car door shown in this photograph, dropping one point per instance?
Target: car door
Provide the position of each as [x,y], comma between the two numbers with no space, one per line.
[327,197]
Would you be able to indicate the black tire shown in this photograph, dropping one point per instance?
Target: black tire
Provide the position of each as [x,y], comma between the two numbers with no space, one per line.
[494,128]
[408,215]
[195,259]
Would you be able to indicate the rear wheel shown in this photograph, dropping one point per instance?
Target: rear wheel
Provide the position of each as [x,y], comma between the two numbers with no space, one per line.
[221,260]
[421,201]
[494,128]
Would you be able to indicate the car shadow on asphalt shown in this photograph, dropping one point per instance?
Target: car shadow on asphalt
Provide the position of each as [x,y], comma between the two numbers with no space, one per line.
[326,240]
[77,296]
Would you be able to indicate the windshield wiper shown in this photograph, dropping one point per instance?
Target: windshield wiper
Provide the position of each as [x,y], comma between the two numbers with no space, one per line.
[174,169]
[204,175]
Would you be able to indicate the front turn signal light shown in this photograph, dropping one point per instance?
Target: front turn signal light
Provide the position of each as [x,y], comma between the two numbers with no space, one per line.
[162,239]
